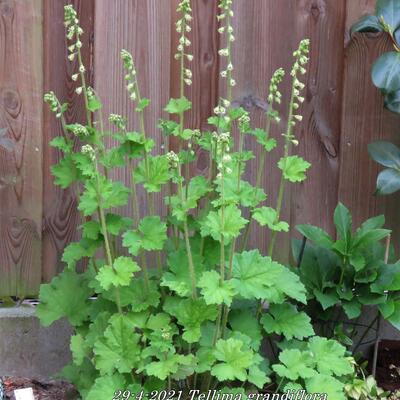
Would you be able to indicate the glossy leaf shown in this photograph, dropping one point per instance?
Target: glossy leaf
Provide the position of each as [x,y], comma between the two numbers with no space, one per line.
[385,153]
[388,181]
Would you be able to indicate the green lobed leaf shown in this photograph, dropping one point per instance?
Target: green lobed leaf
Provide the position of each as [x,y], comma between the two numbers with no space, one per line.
[294,168]
[295,364]
[214,291]
[158,173]
[327,384]
[119,349]
[284,319]
[67,295]
[178,277]
[143,103]
[191,314]
[233,360]
[150,235]
[177,106]
[105,387]
[120,274]
[267,216]
[229,227]
[257,277]
[64,172]
[329,356]
[244,321]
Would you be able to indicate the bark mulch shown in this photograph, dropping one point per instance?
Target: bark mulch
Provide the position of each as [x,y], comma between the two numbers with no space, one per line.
[42,390]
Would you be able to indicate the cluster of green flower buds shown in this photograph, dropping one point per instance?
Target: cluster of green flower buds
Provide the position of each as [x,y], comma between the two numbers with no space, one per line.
[244,122]
[222,141]
[301,59]
[226,28]
[51,99]
[78,130]
[118,120]
[274,94]
[89,150]
[71,22]
[130,76]
[173,160]
[183,27]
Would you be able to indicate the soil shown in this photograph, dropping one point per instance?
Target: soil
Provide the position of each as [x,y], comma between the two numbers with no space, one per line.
[388,365]
[42,390]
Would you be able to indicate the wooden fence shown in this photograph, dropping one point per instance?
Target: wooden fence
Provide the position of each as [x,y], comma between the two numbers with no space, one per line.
[343,111]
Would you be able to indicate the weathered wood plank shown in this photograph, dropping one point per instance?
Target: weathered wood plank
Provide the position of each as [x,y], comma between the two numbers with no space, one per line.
[204,91]
[267,32]
[363,121]
[21,78]
[143,28]
[60,214]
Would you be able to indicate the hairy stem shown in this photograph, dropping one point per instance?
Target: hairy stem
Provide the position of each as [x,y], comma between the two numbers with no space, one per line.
[192,271]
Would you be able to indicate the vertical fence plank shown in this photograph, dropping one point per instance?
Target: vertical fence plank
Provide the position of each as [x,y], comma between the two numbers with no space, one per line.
[264,42]
[60,215]
[20,146]
[204,91]
[267,33]
[143,28]
[364,120]
[323,22]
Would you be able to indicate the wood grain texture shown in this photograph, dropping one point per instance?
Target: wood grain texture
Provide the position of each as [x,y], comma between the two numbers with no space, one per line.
[260,49]
[267,33]
[314,201]
[364,120]
[21,79]
[142,28]
[60,215]
[204,91]
[356,9]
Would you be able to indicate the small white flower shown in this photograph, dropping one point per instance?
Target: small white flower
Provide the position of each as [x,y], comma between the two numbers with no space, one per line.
[229,67]
[71,57]
[228,170]
[233,82]
[300,99]
[78,90]
[74,77]
[180,48]
[133,96]
[224,74]
[189,57]
[223,52]
[231,38]
[226,158]
[226,103]
[188,82]
[298,117]
[82,68]
[219,110]
[221,29]
[78,44]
